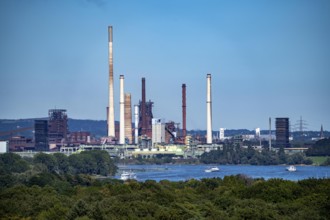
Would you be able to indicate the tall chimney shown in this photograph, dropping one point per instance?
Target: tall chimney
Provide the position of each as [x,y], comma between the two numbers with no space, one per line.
[136,130]
[122,112]
[209,110]
[184,129]
[270,134]
[128,117]
[111,112]
[143,107]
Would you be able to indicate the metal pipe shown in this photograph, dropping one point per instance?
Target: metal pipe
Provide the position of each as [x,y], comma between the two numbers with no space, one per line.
[208,110]
[111,112]
[122,112]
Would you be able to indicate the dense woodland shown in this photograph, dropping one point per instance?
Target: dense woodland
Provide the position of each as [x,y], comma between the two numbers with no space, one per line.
[236,155]
[59,187]
[320,148]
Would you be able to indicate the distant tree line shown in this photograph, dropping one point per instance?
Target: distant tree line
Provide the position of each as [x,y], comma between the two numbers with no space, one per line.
[320,148]
[43,168]
[234,154]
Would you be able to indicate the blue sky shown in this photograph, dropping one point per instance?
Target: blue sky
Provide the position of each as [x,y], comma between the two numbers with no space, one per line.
[267,58]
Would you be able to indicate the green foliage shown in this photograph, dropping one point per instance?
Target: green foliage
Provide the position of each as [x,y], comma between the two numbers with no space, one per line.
[12,163]
[62,162]
[236,155]
[46,159]
[320,148]
[92,162]
[318,160]
[326,162]
[233,197]
[60,187]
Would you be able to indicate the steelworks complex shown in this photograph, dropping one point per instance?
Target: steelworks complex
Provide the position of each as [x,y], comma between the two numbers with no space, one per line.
[146,137]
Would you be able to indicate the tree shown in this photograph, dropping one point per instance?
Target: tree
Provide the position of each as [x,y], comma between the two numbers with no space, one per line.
[12,163]
[46,159]
[281,155]
[62,162]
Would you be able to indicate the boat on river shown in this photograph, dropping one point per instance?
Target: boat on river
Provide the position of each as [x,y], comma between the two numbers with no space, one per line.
[291,168]
[212,169]
[128,175]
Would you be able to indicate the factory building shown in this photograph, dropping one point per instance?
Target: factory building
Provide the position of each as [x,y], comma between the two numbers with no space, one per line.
[41,135]
[158,131]
[80,137]
[170,132]
[282,132]
[222,134]
[57,126]
[145,114]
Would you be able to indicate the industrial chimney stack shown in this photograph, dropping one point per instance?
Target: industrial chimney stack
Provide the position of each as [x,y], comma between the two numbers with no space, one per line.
[128,118]
[136,130]
[270,134]
[110,113]
[143,107]
[122,112]
[209,110]
[184,129]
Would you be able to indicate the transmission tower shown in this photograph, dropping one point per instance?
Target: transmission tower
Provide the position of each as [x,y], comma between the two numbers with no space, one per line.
[301,126]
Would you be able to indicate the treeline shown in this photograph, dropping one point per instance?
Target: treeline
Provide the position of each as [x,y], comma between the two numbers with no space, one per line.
[233,197]
[231,154]
[44,168]
[320,148]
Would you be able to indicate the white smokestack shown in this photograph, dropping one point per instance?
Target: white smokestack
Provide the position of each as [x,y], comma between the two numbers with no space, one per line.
[111,112]
[122,111]
[136,130]
[208,110]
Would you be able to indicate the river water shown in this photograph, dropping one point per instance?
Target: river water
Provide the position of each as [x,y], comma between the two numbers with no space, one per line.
[185,172]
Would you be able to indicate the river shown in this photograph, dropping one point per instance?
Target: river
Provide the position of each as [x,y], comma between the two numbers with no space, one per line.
[185,172]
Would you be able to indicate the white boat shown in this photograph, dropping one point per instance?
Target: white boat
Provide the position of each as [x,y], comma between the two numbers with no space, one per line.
[212,169]
[128,175]
[291,168]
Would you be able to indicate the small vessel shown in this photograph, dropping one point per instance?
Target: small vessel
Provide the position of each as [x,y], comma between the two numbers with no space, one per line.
[127,175]
[212,169]
[291,168]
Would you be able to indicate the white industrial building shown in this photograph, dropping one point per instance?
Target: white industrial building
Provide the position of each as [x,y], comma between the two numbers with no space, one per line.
[158,131]
[3,147]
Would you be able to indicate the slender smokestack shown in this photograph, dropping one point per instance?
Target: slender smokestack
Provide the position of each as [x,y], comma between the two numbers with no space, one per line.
[111,112]
[122,112]
[270,134]
[128,118]
[184,129]
[143,107]
[136,130]
[209,110]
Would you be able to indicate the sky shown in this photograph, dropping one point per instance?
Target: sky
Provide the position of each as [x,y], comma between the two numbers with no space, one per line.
[267,59]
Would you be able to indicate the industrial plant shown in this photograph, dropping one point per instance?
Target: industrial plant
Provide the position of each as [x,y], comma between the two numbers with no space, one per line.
[147,136]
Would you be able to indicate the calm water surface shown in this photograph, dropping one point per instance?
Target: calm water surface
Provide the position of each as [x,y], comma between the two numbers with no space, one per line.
[185,172]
